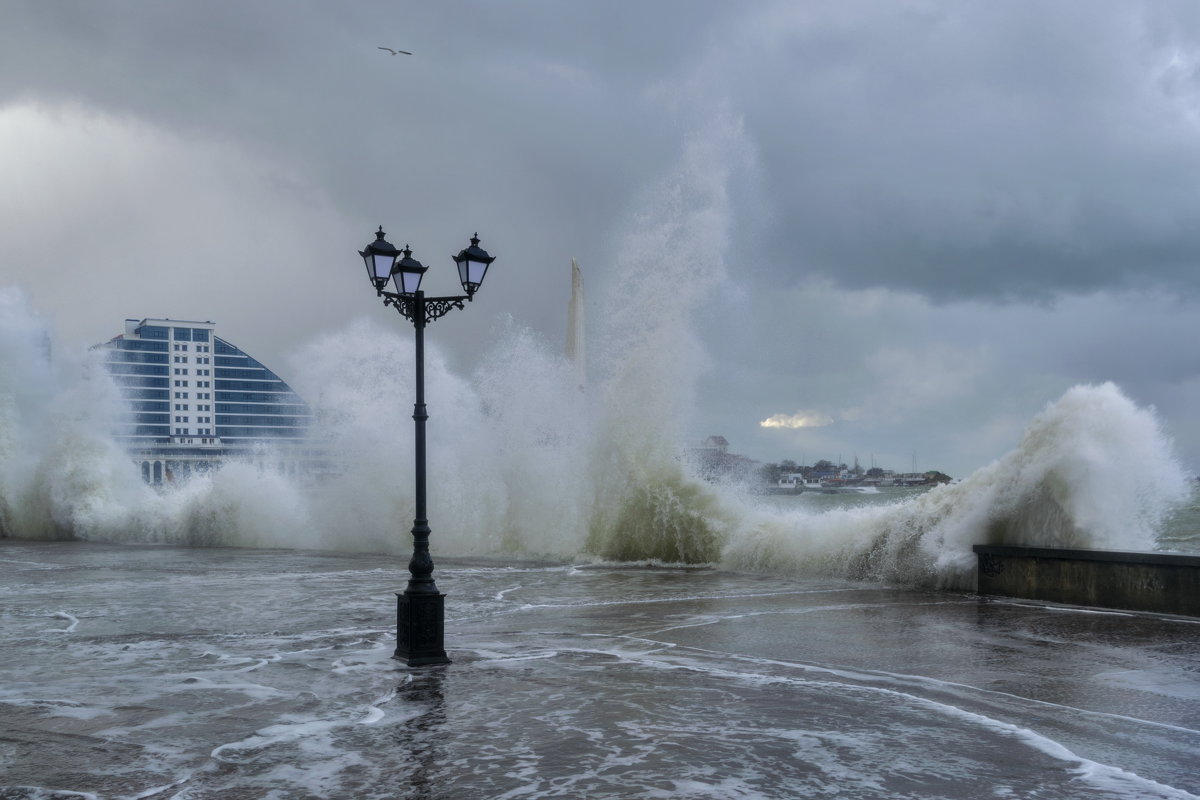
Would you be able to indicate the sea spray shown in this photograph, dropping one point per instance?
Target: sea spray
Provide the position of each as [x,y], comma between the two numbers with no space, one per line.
[243,504]
[668,519]
[1100,464]
[522,463]
[508,452]
[647,504]
[62,475]
[1091,471]
[540,444]
[361,400]
[26,380]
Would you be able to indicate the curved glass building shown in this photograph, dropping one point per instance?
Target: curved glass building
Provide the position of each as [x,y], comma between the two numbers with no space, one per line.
[196,400]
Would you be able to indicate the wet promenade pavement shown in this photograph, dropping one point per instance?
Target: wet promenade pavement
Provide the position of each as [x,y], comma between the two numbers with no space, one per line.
[165,672]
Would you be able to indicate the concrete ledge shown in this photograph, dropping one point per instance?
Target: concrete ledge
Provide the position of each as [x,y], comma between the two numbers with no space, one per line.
[1159,582]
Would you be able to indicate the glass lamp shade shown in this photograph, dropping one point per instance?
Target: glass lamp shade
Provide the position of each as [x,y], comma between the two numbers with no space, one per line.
[379,257]
[408,273]
[472,266]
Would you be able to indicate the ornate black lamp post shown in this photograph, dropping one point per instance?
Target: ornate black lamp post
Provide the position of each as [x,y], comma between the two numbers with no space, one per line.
[420,608]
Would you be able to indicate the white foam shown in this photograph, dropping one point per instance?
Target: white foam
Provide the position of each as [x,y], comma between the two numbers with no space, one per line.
[1103,777]
[64,615]
[157,790]
[43,793]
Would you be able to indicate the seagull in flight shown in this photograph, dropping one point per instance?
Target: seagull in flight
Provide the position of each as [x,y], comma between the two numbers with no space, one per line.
[394,52]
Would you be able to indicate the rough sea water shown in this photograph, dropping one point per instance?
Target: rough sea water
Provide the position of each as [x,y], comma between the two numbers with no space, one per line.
[618,627]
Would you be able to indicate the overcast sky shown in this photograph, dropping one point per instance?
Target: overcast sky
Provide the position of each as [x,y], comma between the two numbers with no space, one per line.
[935,217]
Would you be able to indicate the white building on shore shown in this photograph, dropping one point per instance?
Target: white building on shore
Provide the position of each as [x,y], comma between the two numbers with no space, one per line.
[196,400]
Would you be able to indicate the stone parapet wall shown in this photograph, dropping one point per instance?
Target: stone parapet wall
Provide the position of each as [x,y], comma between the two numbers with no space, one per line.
[1157,582]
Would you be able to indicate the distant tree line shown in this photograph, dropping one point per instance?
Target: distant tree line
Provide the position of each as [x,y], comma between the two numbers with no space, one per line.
[772,473]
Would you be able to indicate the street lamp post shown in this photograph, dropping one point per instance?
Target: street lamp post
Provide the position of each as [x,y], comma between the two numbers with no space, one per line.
[420,608]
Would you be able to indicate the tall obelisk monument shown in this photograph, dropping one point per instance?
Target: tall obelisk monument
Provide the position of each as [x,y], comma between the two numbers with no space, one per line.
[576,350]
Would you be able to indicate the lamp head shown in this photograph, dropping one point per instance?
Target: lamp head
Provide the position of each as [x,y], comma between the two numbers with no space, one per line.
[472,266]
[408,273]
[379,256]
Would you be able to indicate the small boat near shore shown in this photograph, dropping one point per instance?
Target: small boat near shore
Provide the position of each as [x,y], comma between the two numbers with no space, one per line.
[799,485]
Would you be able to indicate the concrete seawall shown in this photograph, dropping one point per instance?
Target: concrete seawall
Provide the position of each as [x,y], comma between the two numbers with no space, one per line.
[1157,582]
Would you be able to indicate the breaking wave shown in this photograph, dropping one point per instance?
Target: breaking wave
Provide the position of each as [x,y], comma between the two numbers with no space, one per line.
[1091,471]
[527,464]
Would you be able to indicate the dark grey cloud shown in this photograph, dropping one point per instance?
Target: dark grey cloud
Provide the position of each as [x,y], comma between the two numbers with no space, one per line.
[960,150]
[977,150]
[492,89]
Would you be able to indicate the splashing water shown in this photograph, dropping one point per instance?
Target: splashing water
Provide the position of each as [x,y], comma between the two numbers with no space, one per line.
[1092,471]
[526,464]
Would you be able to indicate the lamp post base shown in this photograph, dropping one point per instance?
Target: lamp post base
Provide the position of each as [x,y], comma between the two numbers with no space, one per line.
[420,628]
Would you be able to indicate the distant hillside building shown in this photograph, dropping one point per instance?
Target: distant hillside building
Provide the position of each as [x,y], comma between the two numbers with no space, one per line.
[713,461]
[196,400]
